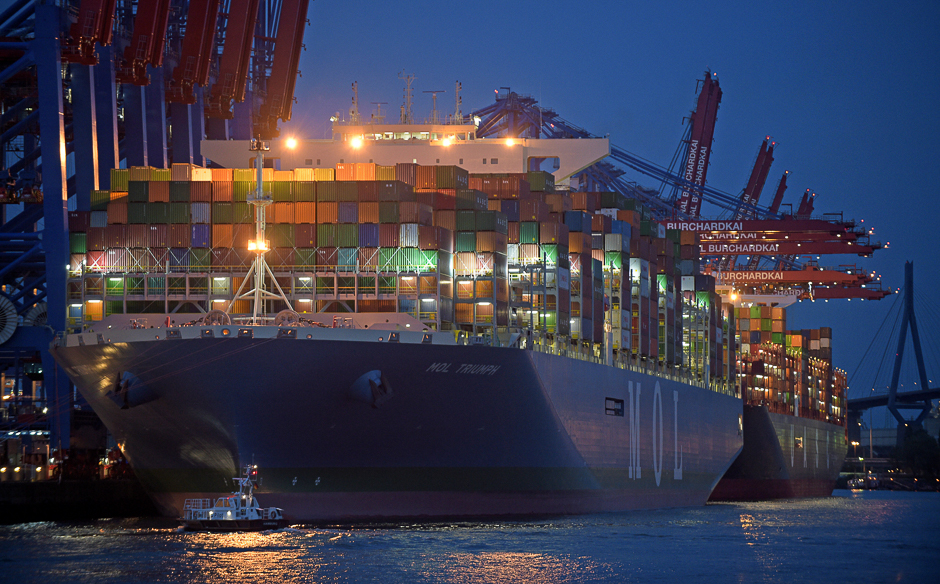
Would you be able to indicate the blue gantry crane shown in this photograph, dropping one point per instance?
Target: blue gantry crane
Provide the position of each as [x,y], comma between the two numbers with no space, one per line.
[92,85]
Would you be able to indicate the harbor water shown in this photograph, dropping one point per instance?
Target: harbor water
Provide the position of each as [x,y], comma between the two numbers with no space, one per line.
[853,536]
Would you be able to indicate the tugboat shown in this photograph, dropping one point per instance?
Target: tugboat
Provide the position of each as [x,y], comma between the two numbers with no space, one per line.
[238,512]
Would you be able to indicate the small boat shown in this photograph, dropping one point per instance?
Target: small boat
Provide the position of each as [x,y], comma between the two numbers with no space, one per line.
[237,512]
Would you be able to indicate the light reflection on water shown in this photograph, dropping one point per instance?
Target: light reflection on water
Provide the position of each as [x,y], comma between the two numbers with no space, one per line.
[858,537]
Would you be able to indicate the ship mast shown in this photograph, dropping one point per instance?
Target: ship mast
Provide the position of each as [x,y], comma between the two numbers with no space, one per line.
[259,267]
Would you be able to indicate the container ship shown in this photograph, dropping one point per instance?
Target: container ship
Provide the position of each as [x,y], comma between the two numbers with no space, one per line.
[451,337]
[444,343]
[794,411]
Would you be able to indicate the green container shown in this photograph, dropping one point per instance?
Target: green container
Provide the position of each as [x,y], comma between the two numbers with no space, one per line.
[451,177]
[388,212]
[180,191]
[179,212]
[611,201]
[78,243]
[243,213]
[541,181]
[529,232]
[467,221]
[222,212]
[158,213]
[411,259]
[305,257]
[347,235]
[241,188]
[388,259]
[119,179]
[326,235]
[755,312]
[765,325]
[347,191]
[281,191]
[673,235]
[280,235]
[200,259]
[137,212]
[244,174]
[137,191]
[777,338]
[613,259]
[100,200]
[549,252]
[466,241]
[305,192]
[160,174]
[491,221]
[327,192]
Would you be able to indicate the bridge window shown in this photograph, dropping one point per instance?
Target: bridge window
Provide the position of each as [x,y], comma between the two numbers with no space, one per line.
[613,407]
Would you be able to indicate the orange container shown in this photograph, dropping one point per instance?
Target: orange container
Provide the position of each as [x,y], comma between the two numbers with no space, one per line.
[305,212]
[117,212]
[222,235]
[345,171]
[158,191]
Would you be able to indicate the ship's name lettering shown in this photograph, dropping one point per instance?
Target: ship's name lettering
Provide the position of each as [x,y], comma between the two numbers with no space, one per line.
[463,368]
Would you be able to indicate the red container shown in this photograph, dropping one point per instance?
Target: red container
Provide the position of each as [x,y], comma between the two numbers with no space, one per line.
[158,191]
[178,235]
[600,223]
[490,186]
[513,188]
[115,260]
[157,236]
[553,233]
[223,257]
[94,261]
[281,256]
[489,241]
[305,212]
[116,236]
[368,257]
[200,192]
[513,233]
[117,212]
[137,235]
[406,172]
[365,171]
[533,210]
[415,213]
[326,256]
[426,197]
[368,190]
[97,239]
[389,234]
[221,192]
[79,221]
[475,183]
[305,235]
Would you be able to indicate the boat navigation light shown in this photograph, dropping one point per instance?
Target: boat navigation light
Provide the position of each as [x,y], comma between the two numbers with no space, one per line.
[510,142]
[291,143]
[356,142]
[446,142]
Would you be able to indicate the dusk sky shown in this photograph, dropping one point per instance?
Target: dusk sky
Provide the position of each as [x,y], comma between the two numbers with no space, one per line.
[849,90]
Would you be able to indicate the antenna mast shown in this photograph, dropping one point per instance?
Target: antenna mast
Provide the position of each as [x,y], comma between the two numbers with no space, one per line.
[458,115]
[377,117]
[354,110]
[435,118]
[406,115]
[259,267]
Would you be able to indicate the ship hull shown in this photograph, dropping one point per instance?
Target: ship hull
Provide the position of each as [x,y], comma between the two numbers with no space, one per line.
[784,457]
[451,431]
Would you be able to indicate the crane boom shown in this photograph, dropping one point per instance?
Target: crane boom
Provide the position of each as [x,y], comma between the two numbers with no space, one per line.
[236,56]
[699,148]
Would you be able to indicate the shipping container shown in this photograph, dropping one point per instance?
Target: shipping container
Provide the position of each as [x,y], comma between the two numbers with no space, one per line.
[368,235]
[200,191]
[178,235]
[347,212]
[327,212]
[222,212]
[222,175]
[222,235]
[389,234]
[201,212]
[446,218]
[346,171]
[119,179]
[369,212]
[326,235]
[408,235]
[79,220]
[100,200]
[282,212]
[365,171]
[117,212]
[137,235]
[347,235]
[78,242]
[305,192]
[305,212]
[367,190]
[201,235]
[98,219]
[324,174]
[407,173]
[137,191]
[305,235]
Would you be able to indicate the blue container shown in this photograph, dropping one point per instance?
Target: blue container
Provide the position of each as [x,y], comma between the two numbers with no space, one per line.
[577,221]
[616,226]
[597,239]
[179,259]
[368,235]
[201,236]
[347,212]
[510,208]
[755,337]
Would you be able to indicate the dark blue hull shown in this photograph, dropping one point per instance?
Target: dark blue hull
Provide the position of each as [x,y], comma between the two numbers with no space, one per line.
[444,431]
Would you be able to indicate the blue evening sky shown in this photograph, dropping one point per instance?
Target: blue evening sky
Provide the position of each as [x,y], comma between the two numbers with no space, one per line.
[849,90]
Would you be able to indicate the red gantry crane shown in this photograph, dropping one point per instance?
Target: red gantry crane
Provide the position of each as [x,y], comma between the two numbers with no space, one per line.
[196,52]
[236,56]
[702,132]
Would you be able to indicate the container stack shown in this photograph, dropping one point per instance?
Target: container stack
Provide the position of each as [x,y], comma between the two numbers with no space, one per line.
[455,250]
[761,325]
